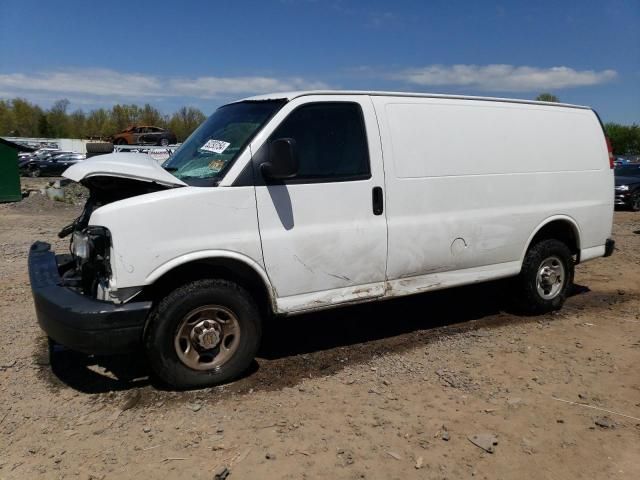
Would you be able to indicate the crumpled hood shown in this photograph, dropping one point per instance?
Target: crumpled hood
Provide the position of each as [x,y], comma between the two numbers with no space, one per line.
[135,166]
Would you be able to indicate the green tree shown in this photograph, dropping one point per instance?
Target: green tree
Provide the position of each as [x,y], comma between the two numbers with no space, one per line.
[44,129]
[625,139]
[151,116]
[77,124]
[547,97]
[185,121]
[99,124]
[58,119]
[124,116]
[7,121]
[27,117]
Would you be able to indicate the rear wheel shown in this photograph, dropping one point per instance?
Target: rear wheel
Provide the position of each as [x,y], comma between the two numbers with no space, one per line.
[204,333]
[545,278]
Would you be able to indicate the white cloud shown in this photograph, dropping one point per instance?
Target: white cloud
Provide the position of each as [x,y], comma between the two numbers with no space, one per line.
[503,77]
[210,87]
[93,82]
[110,83]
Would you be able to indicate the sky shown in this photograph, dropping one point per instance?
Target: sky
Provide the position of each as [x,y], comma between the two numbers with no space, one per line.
[172,53]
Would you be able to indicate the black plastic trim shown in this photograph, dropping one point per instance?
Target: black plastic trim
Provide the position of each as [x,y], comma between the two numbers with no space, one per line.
[377,200]
[77,321]
[609,247]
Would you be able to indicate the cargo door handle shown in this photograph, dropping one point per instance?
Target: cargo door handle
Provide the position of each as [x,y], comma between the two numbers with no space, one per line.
[376,197]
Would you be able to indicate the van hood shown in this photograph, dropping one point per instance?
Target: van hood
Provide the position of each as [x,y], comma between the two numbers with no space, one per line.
[133,166]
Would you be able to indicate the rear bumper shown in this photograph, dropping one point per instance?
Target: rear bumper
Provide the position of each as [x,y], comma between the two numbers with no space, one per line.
[76,321]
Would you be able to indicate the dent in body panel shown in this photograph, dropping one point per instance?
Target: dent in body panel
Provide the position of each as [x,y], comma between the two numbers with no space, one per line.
[308,302]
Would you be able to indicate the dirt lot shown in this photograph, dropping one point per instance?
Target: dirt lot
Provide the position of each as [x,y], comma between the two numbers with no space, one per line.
[386,391]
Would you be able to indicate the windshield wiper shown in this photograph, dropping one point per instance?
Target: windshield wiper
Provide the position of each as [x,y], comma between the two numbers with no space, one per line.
[170,169]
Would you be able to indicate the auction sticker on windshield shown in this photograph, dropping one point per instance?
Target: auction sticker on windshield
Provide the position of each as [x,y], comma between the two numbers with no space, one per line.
[215,146]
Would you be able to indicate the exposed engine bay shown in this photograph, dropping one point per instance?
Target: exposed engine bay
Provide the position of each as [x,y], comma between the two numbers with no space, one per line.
[87,268]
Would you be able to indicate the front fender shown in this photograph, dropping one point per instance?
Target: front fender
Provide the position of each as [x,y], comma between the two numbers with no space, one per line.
[153,233]
[211,255]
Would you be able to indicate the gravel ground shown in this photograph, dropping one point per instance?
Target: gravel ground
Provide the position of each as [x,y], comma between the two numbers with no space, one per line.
[418,387]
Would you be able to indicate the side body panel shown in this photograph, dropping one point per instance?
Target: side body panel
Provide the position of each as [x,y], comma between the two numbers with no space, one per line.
[470,182]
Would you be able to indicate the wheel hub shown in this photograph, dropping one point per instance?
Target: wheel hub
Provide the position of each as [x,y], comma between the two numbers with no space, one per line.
[206,334]
[207,337]
[551,278]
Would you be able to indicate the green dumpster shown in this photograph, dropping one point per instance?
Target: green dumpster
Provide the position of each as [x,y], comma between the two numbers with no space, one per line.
[9,175]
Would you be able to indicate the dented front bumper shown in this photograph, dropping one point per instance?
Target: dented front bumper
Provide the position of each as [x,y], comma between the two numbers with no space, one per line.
[77,321]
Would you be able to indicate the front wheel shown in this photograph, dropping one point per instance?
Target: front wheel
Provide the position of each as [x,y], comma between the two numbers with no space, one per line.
[34,172]
[202,334]
[545,278]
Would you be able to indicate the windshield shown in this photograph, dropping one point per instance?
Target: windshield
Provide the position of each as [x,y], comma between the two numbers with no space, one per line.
[628,170]
[209,151]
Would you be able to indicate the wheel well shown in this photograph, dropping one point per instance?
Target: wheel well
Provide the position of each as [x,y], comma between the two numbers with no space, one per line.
[222,268]
[562,230]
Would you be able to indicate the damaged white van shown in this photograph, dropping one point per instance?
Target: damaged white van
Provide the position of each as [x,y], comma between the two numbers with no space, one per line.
[293,202]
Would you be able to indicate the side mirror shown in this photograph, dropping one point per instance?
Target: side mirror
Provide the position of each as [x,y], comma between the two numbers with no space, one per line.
[283,161]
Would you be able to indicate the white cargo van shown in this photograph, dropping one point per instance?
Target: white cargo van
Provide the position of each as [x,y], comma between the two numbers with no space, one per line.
[294,202]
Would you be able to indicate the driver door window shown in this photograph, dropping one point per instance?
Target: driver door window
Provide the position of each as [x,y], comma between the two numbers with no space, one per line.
[330,140]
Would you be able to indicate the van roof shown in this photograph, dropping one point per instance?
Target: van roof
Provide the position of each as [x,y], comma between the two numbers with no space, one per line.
[301,93]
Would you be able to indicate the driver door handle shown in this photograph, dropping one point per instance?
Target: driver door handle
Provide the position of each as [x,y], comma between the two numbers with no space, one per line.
[377,200]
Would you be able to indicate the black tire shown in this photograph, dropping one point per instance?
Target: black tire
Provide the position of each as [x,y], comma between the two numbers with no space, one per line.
[34,172]
[163,142]
[121,141]
[528,299]
[99,147]
[166,318]
[634,202]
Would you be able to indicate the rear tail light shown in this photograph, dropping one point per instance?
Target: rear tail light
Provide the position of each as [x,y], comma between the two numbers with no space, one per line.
[610,150]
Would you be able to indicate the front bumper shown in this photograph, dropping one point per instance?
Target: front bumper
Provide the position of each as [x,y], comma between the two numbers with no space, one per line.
[79,322]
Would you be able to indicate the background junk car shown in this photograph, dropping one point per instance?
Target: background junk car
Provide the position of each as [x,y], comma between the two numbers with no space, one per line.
[144,135]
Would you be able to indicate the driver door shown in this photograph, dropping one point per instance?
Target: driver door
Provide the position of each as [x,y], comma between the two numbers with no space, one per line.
[323,241]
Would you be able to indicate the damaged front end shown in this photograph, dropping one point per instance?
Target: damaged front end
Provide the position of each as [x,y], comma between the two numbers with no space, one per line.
[76,300]
[88,266]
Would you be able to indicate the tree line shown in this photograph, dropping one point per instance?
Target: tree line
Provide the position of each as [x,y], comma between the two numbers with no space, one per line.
[21,118]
